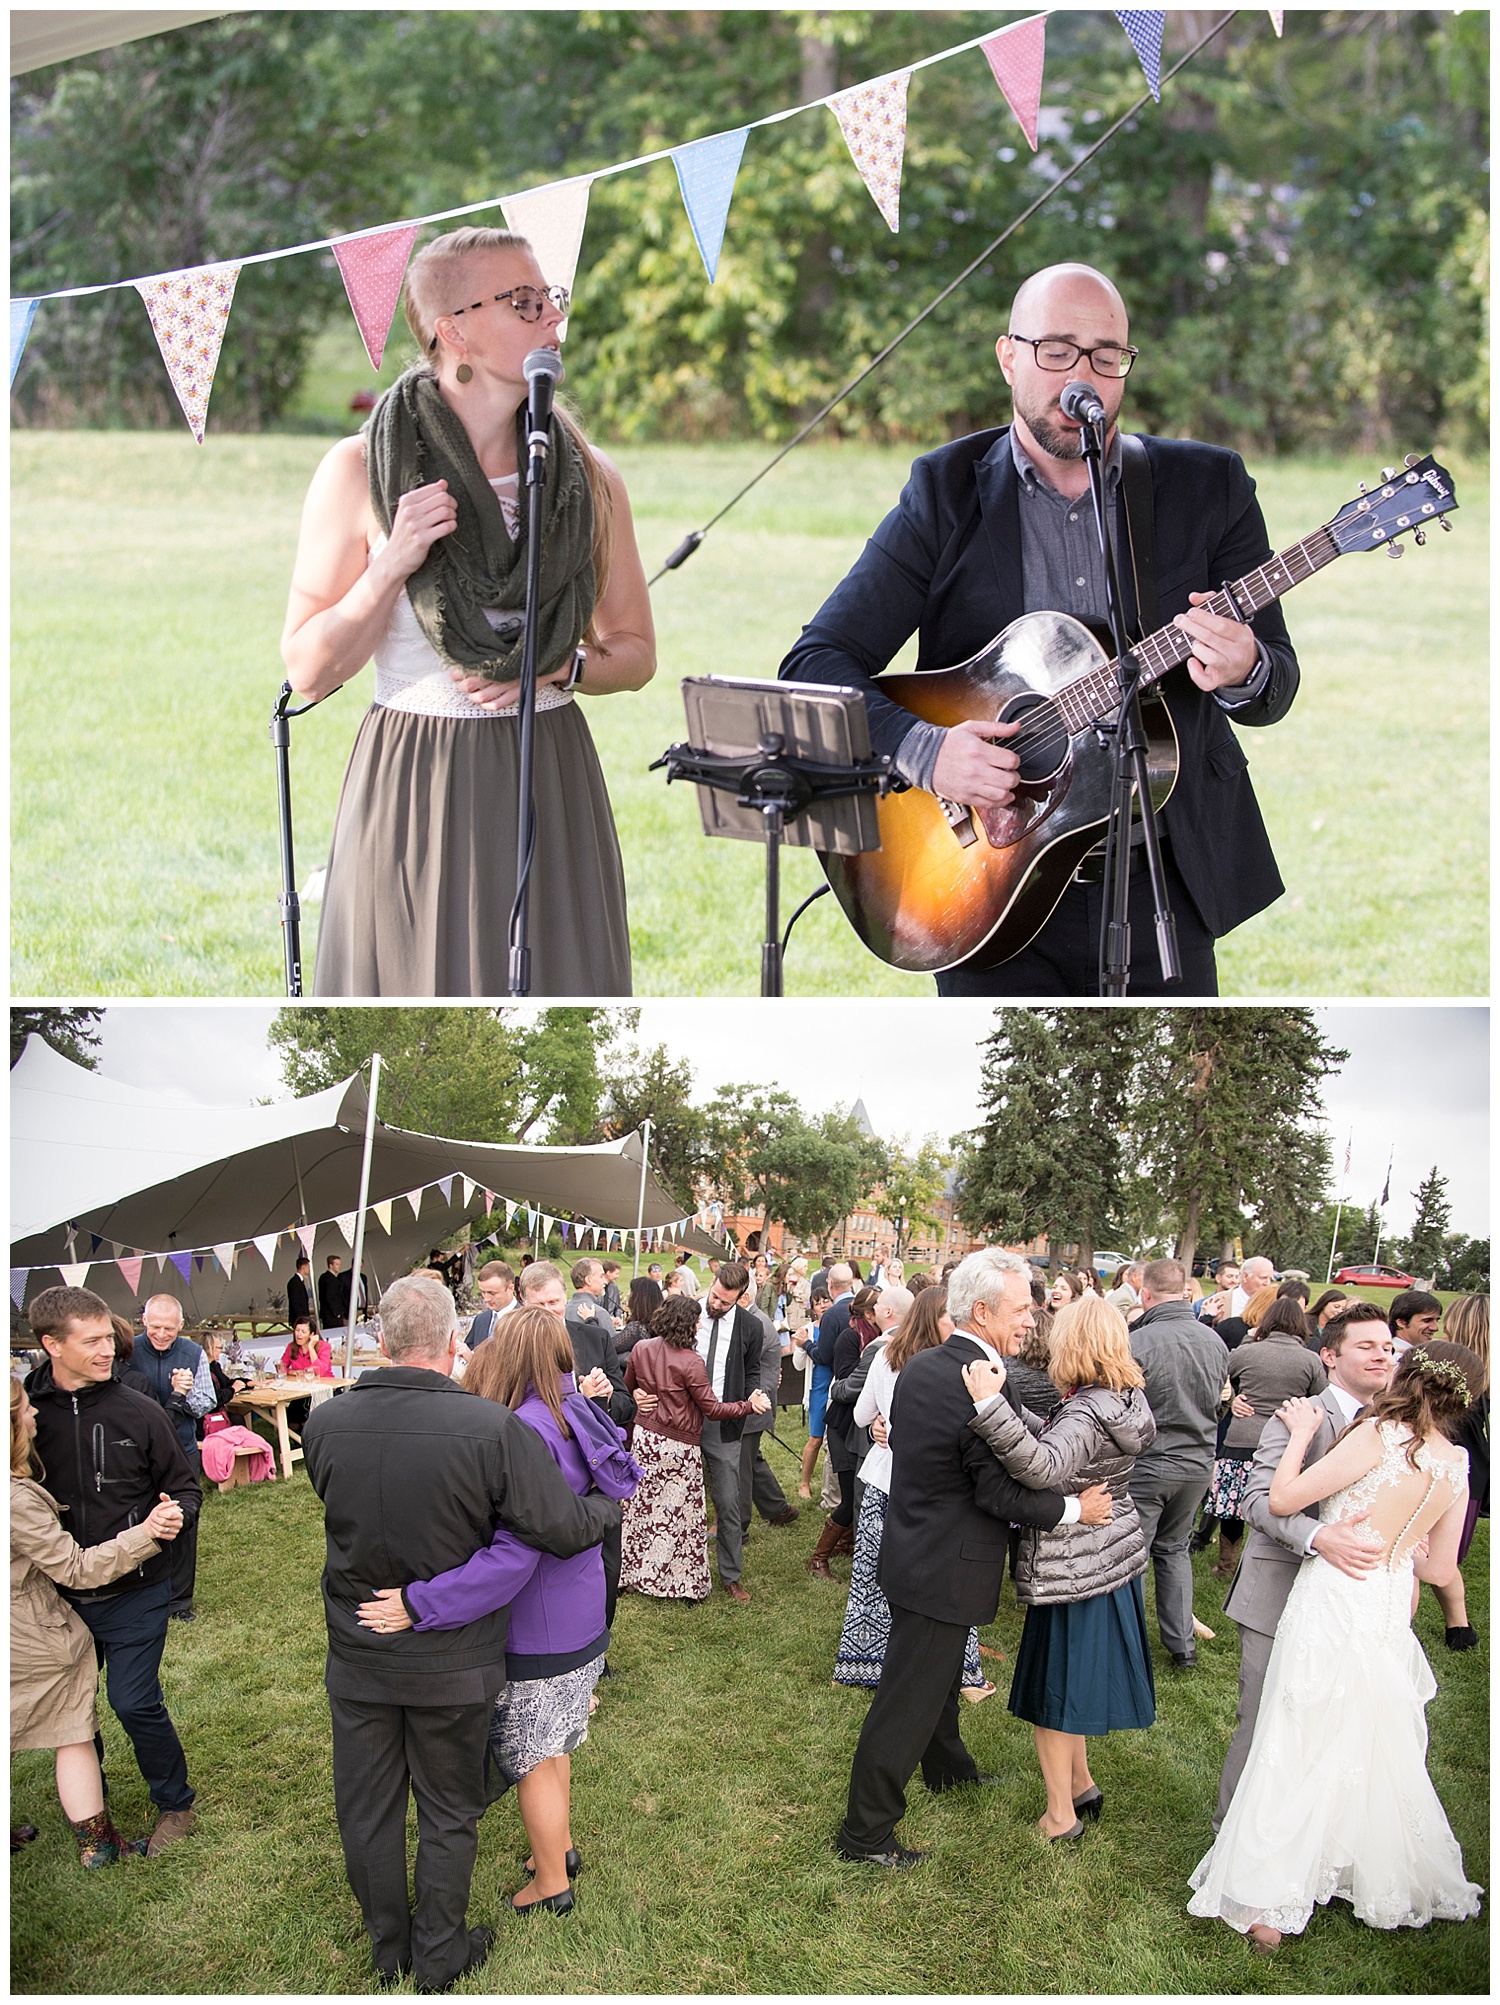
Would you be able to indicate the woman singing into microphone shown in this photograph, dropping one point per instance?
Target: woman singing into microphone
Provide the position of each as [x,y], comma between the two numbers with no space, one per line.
[413,551]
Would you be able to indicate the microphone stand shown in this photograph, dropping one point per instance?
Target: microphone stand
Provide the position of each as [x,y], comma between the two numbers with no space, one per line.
[519,970]
[289,902]
[1130,771]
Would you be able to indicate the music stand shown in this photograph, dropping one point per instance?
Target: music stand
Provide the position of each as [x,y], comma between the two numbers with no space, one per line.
[778,762]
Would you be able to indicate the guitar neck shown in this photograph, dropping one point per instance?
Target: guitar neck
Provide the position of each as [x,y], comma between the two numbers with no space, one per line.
[1097,694]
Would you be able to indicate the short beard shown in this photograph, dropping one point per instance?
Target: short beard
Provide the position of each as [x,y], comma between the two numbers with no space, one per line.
[1055,439]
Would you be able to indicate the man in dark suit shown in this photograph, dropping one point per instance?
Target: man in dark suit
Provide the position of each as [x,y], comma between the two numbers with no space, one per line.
[333,1295]
[730,1344]
[497,1290]
[999,524]
[942,1556]
[299,1307]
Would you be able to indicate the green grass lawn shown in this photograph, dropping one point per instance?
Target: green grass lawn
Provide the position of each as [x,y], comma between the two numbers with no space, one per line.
[149,581]
[704,1805]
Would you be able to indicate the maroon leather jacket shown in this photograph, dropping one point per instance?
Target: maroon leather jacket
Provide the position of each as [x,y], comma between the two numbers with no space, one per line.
[680,1381]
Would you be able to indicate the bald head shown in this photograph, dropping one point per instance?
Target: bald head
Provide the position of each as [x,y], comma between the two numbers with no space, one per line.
[1048,296]
[1078,306]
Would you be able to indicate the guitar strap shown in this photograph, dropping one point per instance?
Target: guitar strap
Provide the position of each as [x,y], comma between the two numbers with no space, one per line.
[1140,529]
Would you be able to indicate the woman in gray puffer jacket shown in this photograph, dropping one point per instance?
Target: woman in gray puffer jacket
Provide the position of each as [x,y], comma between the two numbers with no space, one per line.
[1084,1665]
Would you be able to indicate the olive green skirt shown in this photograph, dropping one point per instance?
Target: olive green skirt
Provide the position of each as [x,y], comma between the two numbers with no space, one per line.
[421,872]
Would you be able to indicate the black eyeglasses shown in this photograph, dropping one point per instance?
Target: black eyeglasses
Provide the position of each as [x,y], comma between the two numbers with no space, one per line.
[526,300]
[1109,359]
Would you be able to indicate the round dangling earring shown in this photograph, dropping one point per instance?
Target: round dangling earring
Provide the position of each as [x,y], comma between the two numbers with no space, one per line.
[464,373]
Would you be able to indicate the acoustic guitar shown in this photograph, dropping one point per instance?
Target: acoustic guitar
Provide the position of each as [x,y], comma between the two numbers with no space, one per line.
[949,882]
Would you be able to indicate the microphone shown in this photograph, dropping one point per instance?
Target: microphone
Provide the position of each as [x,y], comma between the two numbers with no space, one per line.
[542,369]
[1079,401]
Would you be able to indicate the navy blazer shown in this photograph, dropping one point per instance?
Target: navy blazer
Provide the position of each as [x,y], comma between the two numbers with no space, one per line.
[946,565]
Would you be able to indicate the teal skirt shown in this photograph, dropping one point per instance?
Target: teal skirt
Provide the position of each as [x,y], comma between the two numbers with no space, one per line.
[1085,1666]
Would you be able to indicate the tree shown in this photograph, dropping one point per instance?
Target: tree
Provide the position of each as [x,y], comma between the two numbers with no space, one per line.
[656,1087]
[1225,1116]
[1050,1154]
[822,1170]
[913,1182]
[73,1032]
[1465,1265]
[1427,1240]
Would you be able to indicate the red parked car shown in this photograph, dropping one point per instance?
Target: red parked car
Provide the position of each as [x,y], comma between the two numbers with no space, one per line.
[1374,1277]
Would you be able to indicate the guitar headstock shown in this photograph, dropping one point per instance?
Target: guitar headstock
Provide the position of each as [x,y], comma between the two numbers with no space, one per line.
[1407,498]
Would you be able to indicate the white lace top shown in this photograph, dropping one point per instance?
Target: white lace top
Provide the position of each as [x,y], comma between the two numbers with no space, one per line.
[409,673]
[1393,1467]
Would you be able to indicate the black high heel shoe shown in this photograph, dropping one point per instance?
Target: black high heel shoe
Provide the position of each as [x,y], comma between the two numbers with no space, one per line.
[1089,1804]
[552,1903]
[571,1865]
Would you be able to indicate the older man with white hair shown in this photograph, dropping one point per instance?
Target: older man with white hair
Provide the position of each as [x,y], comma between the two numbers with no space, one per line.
[943,1555]
[182,1385]
[414,1476]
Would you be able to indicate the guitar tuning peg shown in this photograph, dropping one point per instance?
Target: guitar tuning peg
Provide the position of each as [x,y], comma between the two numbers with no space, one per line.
[1413,459]
[1393,549]
[1363,488]
[1445,525]
[1387,473]
[1419,535]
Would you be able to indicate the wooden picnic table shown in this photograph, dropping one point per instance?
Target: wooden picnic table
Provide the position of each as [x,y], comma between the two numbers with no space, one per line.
[275,1396]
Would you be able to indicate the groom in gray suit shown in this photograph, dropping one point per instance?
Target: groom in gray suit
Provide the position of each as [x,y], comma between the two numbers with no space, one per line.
[1357,1356]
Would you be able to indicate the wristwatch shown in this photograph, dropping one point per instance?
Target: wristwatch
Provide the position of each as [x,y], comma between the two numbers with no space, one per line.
[575,676]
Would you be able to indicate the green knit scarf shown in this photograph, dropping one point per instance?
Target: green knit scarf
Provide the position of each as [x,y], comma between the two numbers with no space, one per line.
[413,437]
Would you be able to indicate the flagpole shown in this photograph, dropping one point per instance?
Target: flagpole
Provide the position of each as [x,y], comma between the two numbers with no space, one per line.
[1385,1198]
[1338,1210]
[640,1201]
[359,1216]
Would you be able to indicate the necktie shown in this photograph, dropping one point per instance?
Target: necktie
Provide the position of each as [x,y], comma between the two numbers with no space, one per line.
[713,1350]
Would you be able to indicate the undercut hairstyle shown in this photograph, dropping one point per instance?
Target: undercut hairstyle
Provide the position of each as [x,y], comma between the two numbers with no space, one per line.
[981,1277]
[732,1277]
[1338,1327]
[55,1309]
[536,1276]
[1413,1302]
[676,1323]
[918,1329]
[417,1318]
[1089,1344]
[1466,1321]
[1284,1314]
[528,1352]
[583,1268]
[1165,1278]
[493,1269]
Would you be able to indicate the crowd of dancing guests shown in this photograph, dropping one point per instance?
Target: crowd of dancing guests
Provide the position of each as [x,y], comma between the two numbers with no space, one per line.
[489,1495]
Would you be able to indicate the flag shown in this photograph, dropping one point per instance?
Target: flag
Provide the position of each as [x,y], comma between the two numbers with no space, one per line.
[225,1255]
[73,1275]
[22,313]
[306,1234]
[130,1267]
[547,1225]
[183,1262]
[873,122]
[265,1246]
[468,1190]
[383,1213]
[189,311]
[445,1185]
[552,219]
[1144,26]
[1278,15]
[1016,57]
[706,170]
[373,268]
[1385,1195]
[414,1199]
[18,1284]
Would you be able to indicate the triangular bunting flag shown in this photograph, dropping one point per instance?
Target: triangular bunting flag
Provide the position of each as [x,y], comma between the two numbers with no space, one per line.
[1144,26]
[22,313]
[1277,14]
[547,1225]
[532,1215]
[306,1233]
[95,1242]
[489,1203]
[73,1276]
[706,169]
[373,268]
[225,1255]
[414,1199]
[161,1262]
[1016,57]
[445,1185]
[200,1261]
[183,1262]
[18,1274]
[468,1190]
[265,1246]
[552,220]
[131,1269]
[383,1213]
[346,1222]
[873,122]
[510,1212]
[189,311]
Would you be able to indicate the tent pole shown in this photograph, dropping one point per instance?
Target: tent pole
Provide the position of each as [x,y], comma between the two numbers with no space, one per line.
[640,1200]
[359,1216]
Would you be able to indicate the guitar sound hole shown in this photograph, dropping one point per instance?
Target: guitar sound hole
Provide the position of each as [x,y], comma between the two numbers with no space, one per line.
[1042,741]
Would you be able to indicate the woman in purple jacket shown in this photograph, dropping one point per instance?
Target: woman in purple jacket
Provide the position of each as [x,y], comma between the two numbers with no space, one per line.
[557,1635]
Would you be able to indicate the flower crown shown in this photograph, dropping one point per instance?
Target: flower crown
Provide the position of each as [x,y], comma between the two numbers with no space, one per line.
[1440,1368]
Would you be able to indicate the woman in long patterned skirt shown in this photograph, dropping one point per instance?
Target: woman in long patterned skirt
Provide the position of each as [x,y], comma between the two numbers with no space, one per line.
[664,1547]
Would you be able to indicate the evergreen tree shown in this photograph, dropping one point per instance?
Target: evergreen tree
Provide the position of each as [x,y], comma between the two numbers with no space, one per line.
[653,1086]
[73,1032]
[1427,1239]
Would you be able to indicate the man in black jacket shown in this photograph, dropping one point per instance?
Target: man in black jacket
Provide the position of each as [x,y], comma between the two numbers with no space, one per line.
[299,1303]
[110,1455]
[943,1556]
[729,1343]
[413,1477]
[334,1295]
[999,524]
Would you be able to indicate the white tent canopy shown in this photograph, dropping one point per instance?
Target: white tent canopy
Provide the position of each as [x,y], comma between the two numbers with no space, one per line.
[43,35]
[97,1165]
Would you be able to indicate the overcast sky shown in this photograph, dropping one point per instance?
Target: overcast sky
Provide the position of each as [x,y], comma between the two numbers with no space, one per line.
[1416,1081]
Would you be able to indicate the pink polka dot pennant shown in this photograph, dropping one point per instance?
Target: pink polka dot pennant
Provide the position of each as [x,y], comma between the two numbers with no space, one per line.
[189,311]
[373,268]
[873,122]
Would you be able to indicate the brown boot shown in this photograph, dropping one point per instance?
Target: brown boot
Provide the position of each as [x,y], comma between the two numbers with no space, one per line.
[1229,1556]
[845,1539]
[827,1546]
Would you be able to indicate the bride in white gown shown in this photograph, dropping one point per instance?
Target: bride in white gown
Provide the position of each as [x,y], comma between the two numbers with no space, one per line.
[1335,1800]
